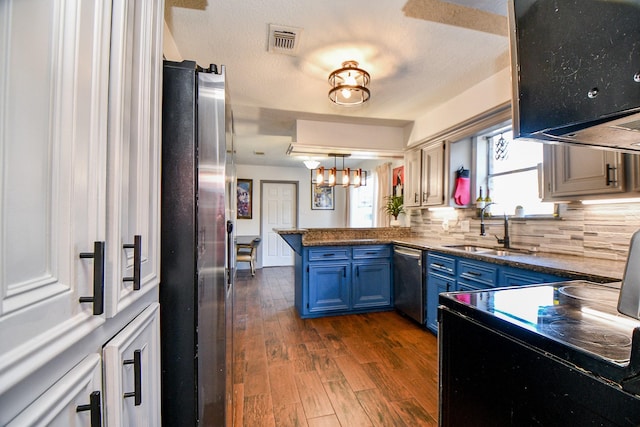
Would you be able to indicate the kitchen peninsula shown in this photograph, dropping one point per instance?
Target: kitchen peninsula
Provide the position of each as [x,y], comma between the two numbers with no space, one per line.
[344,270]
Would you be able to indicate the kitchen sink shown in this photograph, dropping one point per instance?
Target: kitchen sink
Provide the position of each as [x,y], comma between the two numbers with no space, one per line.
[489,251]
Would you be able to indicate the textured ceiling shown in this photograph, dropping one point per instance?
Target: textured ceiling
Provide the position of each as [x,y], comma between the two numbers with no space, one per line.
[415,60]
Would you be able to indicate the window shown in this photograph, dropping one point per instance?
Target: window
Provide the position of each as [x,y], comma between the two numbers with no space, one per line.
[361,204]
[513,175]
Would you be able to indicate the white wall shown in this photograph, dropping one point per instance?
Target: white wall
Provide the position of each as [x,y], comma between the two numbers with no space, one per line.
[486,95]
[307,218]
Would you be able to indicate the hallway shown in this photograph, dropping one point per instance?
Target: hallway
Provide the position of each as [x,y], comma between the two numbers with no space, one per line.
[376,369]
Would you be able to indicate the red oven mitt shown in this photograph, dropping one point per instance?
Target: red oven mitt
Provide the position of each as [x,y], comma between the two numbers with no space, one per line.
[462,194]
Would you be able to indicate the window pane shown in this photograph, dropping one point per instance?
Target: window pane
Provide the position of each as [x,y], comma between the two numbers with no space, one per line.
[517,154]
[521,188]
[361,205]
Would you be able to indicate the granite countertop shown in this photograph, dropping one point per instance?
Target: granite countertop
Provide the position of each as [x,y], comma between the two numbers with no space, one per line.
[572,267]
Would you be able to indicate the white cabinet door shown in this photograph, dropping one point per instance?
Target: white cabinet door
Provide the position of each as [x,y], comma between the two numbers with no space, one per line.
[74,401]
[574,171]
[433,175]
[132,372]
[134,151]
[412,180]
[53,135]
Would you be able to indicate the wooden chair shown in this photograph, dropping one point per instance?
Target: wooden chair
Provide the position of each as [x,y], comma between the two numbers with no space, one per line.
[246,252]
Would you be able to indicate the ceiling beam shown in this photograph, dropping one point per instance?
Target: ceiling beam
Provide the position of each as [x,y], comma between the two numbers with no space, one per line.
[456,15]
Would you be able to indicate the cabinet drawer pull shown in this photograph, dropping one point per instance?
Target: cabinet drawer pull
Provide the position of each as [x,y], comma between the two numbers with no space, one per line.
[137,373]
[436,266]
[137,261]
[472,273]
[328,255]
[98,277]
[95,408]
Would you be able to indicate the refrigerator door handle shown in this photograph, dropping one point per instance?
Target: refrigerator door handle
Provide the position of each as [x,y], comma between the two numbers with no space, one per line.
[230,251]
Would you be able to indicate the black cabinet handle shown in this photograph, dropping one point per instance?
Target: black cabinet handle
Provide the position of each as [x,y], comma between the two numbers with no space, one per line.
[95,408]
[610,180]
[328,255]
[98,277]
[137,261]
[137,373]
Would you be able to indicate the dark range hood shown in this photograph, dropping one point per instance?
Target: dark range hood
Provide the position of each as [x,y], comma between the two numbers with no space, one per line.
[576,71]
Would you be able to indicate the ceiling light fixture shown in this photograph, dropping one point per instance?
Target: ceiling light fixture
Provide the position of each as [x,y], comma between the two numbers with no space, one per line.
[348,177]
[311,164]
[349,85]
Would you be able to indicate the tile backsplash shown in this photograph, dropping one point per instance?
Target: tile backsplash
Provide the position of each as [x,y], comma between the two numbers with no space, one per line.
[596,231]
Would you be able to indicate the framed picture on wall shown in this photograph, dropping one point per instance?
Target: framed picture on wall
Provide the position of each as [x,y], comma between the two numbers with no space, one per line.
[322,197]
[398,181]
[245,198]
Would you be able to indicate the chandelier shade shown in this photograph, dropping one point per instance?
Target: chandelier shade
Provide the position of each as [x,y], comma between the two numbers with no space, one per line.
[349,85]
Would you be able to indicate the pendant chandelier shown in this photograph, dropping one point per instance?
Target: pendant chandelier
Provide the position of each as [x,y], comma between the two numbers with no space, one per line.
[329,177]
[349,85]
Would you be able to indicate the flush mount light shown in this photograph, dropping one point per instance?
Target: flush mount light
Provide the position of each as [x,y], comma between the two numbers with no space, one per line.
[349,85]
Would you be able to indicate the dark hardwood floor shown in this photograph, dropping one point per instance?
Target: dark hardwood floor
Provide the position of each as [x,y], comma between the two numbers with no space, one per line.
[376,369]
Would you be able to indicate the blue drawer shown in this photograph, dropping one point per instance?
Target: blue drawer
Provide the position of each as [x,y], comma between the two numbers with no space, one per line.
[372,251]
[486,274]
[441,264]
[329,254]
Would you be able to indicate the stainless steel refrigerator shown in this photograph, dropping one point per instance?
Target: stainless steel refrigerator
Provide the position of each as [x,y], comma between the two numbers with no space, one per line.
[196,283]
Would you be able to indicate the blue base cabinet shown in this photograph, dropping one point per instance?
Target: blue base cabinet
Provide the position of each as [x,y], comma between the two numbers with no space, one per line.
[330,290]
[371,282]
[447,273]
[343,280]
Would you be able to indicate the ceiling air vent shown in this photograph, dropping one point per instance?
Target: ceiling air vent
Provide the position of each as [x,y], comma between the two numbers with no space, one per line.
[284,39]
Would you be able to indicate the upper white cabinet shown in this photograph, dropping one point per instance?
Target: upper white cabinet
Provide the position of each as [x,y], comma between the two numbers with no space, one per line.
[425,176]
[581,171]
[413,180]
[134,151]
[433,174]
[53,135]
[132,373]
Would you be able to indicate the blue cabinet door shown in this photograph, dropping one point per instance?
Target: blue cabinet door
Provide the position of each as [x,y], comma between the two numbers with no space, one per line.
[436,284]
[329,287]
[371,282]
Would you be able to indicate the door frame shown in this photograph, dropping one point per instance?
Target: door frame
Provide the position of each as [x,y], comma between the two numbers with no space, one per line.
[297,201]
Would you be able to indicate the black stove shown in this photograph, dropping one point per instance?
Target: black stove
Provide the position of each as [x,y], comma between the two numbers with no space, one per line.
[577,321]
[543,355]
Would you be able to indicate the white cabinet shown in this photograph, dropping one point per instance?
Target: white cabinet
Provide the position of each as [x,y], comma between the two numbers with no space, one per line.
[426,175]
[53,117]
[80,137]
[74,401]
[412,180]
[134,151]
[433,174]
[578,171]
[132,373]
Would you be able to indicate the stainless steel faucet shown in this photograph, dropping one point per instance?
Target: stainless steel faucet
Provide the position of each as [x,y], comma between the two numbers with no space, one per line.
[505,241]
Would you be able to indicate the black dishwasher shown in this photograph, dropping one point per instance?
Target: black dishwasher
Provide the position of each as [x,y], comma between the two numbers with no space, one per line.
[409,283]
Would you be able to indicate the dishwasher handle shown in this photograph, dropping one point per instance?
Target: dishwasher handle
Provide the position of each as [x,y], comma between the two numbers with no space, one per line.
[410,253]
